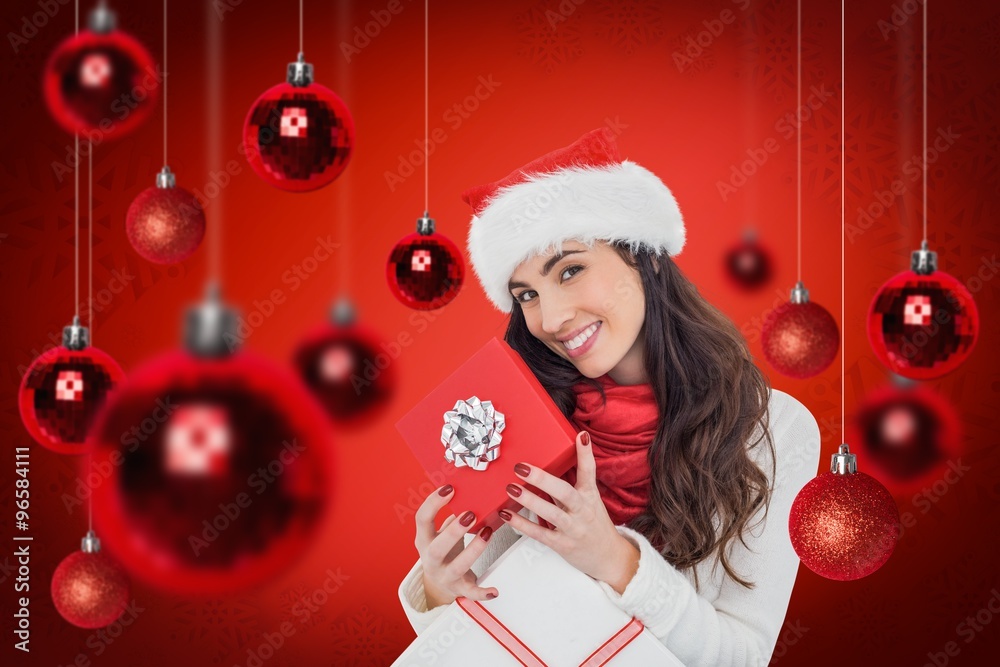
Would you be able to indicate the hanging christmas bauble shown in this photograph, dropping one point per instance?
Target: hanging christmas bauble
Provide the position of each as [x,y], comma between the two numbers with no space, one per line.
[425,270]
[748,264]
[165,223]
[800,338]
[907,433]
[101,83]
[219,465]
[923,323]
[843,524]
[298,136]
[63,390]
[89,589]
[346,367]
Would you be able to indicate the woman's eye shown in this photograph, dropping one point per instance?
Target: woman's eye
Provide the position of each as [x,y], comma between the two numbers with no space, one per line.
[520,297]
[570,268]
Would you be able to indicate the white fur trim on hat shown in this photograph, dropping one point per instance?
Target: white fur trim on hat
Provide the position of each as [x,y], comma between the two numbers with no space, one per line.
[617,202]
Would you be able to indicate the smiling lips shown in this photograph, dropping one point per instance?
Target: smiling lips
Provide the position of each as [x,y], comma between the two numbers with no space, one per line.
[579,344]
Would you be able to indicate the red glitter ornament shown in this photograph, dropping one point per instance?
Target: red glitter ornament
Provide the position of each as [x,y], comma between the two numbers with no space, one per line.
[800,338]
[346,367]
[843,524]
[165,224]
[101,83]
[299,135]
[923,323]
[89,589]
[908,434]
[748,264]
[219,465]
[63,390]
[425,270]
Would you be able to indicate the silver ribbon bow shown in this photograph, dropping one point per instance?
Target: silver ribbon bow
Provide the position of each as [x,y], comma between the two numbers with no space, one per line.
[471,434]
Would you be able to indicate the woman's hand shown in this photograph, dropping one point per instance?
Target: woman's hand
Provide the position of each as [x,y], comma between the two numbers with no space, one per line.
[445,558]
[584,534]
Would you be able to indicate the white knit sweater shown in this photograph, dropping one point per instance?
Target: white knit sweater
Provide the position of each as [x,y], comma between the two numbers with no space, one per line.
[723,623]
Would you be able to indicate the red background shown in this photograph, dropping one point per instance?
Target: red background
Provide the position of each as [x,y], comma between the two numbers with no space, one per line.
[604,61]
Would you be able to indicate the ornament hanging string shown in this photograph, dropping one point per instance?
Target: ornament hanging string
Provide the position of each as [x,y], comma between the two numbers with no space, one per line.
[924,155]
[166,81]
[343,200]
[798,161]
[214,86]
[843,224]
[426,132]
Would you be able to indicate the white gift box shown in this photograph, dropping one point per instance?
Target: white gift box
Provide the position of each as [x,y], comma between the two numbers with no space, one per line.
[548,614]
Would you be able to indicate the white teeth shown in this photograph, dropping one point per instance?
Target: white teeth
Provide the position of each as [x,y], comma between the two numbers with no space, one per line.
[574,343]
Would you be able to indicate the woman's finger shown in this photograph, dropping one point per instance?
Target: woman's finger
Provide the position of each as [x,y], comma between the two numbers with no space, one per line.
[559,489]
[529,528]
[448,538]
[538,505]
[426,514]
[464,560]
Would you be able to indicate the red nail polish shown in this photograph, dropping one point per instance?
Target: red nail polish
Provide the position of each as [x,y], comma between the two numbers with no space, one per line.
[586,439]
[467,518]
[513,490]
[490,596]
[486,533]
[522,470]
[445,490]
[505,515]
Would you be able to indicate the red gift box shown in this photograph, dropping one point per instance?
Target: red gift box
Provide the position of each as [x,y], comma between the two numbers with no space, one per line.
[535,431]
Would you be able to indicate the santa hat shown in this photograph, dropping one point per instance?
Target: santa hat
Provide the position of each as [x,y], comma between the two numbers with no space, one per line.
[583,192]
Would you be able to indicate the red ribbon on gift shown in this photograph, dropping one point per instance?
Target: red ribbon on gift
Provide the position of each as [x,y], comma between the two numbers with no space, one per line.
[506,638]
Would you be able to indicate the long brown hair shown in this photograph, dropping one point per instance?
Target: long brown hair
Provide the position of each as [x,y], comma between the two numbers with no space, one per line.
[711,398]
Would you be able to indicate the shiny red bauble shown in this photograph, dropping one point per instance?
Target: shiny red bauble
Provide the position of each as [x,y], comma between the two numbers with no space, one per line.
[219,472]
[923,326]
[298,138]
[90,590]
[843,526]
[425,271]
[800,340]
[61,394]
[748,264]
[165,225]
[349,369]
[909,435]
[102,85]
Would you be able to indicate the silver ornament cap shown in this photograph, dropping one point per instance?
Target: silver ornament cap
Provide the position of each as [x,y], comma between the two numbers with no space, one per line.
[90,544]
[843,462]
[425,224]
[923,262]
[300,73]
[76,337]
[211,328]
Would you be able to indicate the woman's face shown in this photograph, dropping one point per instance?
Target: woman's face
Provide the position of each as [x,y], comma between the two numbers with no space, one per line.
[564,296]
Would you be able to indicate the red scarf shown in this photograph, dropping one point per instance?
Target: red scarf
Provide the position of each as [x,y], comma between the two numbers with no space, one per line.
[620,433]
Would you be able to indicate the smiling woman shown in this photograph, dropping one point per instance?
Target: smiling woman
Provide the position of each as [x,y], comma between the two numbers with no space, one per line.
[686,459]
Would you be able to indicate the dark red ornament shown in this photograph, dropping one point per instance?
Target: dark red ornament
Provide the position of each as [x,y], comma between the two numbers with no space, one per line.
[908,434]
[63,390]
[347,367]
[220,465]
[101,83]
[165,224]
[299,135]
[843,524]
[425,270]
[923,323]
[89,589]
[800,338]
[748,264]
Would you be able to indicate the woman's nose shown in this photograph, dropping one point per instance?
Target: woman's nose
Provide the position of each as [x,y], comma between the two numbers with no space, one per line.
[556,311]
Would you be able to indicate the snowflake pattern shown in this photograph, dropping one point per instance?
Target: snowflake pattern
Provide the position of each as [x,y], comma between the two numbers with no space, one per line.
[630,24]
[362,639]
[292,607]
[547,37]
[218,626]
[768,46]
